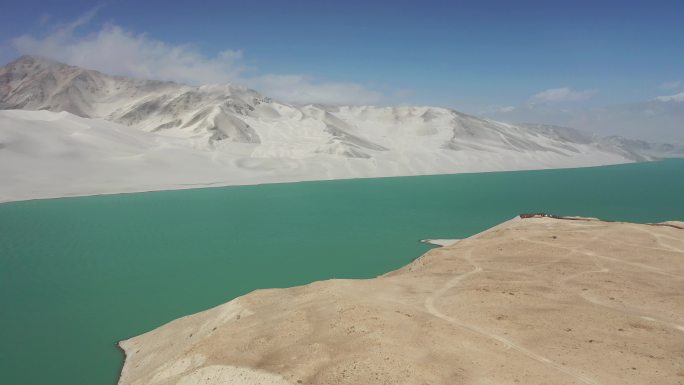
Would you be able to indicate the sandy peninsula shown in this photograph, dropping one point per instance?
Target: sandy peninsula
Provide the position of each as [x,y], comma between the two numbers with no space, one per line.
[532,301]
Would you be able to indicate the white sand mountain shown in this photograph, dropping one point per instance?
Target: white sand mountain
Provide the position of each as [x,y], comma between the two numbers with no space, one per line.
[225,135]
[531,301]
[638,150]
[32,83]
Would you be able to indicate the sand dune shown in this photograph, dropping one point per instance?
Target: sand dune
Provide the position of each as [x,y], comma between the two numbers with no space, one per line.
[46,154]
[68,131]
[531,301]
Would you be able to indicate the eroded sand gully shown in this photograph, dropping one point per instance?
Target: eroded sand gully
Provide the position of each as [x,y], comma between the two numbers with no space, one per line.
[531,301]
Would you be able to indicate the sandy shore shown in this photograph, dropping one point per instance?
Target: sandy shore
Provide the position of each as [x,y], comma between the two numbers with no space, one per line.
[532,301]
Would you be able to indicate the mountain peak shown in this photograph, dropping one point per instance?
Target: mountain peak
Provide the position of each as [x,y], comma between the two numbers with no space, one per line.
[34,60]
[228,113]
[37,83]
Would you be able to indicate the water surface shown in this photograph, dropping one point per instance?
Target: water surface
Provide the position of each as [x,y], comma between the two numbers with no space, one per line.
[79,274]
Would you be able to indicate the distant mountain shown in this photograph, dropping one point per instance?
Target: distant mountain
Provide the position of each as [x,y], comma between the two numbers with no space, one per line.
[237,136]
[660,119]
[236,114]
[638,150]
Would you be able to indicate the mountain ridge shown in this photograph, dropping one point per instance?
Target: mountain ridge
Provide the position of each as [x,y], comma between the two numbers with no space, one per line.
[231,113]
[109,134]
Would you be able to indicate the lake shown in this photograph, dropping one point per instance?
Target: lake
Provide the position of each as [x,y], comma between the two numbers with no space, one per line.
[79,274]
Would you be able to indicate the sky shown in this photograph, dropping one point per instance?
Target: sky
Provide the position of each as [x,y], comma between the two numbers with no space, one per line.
[557,62]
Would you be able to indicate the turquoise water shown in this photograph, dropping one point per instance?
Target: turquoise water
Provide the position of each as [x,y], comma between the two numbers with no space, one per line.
[79,274]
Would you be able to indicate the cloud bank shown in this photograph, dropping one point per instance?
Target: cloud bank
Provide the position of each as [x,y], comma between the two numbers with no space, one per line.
[114,50]
[672,98]
[117,51]
[563,94]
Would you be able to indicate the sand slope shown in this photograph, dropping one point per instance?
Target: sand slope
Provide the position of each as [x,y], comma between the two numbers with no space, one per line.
[531,301]
[47,154]
[66,131]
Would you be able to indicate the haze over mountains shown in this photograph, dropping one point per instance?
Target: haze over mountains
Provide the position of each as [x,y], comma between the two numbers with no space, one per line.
[103,134]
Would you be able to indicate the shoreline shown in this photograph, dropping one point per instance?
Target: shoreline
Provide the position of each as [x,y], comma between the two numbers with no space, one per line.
[121,344]
[429,263]
[221,184]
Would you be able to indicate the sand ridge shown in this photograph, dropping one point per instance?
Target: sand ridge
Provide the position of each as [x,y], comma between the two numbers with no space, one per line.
[539,300]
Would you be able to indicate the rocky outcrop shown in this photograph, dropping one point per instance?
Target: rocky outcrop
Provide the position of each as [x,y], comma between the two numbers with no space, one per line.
[531,301]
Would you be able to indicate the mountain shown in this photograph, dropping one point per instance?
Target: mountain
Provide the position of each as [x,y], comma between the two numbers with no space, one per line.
[225,134]
[635,149]
[32,83]
[660,119]
[237,114]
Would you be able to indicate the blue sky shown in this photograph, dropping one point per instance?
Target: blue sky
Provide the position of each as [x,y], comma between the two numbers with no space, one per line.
[476,56]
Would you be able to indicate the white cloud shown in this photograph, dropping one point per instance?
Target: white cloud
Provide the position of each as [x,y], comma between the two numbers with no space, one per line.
[302,89]
[563,94]
[115,50]
[670,85]
[672,98]
[507,109]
